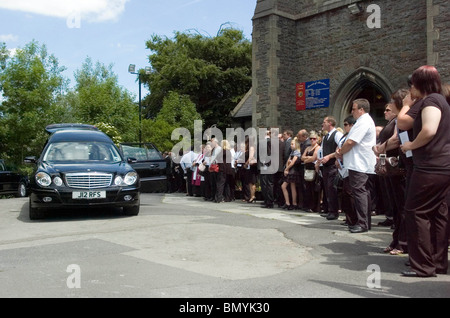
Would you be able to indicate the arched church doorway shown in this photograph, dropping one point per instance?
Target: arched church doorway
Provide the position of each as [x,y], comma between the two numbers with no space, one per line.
[363,83]
[377,103]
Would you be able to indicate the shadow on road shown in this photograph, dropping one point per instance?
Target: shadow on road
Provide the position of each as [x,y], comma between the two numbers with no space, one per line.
[58,215]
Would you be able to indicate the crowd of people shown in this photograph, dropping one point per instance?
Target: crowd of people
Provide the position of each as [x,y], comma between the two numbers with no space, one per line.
[334,171]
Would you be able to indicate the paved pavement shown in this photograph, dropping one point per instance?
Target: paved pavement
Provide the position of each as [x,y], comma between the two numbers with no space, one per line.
[181,246]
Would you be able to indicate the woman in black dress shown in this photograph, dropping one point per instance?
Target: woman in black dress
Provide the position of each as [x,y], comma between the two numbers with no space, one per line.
[292,176]
[426,203]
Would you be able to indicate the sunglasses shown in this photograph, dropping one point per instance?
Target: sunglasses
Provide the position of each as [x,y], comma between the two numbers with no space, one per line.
[312,138]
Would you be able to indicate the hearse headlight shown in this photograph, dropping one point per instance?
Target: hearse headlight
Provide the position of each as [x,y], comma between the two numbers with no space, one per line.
[43,179]
[130,178]
[58,181]
[118,181]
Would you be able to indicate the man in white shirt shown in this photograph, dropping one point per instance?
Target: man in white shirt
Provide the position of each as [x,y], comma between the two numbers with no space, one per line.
[360,161]
[186,164]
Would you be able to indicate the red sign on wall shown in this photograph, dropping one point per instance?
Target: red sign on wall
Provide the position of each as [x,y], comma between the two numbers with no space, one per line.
[300,97]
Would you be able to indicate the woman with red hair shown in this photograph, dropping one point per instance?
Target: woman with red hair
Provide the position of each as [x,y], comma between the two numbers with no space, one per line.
[426,208]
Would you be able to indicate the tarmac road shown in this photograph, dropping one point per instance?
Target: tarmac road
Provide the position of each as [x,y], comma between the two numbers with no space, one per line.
[181,246]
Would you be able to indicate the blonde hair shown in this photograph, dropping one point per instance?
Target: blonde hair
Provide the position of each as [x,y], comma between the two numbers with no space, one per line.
[226,145]
[313,134]
[297,144]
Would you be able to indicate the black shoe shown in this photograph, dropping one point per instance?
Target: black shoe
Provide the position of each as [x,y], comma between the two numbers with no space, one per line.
[409,274]
[267,206]
[332,216]
[357,229]
[324,215]
[286,207]
[387,222]
[292,207]
[414,274]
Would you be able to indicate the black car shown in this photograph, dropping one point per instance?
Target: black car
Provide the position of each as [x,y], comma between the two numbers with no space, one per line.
[149,164]
[12,182]
[81,167]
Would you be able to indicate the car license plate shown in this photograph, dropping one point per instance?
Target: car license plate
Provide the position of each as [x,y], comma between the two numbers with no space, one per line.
[89,195]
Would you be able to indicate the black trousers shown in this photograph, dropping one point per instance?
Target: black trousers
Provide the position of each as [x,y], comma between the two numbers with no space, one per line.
[221,179]
[385,198]
[189,187]
[206,185]
[347,203]
[329,173]
[396,186]
[360,192]
[213,184]
[230,186]
[267,186]
[277,191]
[302,198]
[427,222]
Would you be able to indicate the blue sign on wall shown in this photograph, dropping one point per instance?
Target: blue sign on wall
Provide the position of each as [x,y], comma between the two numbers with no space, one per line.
[317,94]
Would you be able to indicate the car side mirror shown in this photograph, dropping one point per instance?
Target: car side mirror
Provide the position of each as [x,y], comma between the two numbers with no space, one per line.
[31,160]
[131,160]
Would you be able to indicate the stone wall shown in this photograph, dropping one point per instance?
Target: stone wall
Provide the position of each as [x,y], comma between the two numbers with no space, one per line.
[305,40]
[441,44]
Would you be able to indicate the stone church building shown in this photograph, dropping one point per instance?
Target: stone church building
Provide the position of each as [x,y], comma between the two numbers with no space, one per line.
[312,58]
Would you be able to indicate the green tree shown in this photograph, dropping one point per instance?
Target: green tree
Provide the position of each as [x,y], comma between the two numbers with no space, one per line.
[177,111]
[32,84]
[98,98]
[215,72]
[111,131]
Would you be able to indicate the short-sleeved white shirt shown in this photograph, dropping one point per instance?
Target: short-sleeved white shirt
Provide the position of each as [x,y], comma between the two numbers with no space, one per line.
[361,157]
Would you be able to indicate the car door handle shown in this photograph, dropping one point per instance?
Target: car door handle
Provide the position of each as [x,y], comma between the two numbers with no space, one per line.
[154,166]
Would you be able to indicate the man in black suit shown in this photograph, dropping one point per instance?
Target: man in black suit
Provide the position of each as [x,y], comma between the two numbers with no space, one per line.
[266,177]
[279,175]
[329,145]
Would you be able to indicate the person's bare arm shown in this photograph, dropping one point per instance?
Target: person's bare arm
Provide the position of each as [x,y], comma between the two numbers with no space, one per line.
[431,117]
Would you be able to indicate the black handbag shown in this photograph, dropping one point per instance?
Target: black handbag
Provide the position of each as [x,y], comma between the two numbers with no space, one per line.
[389,166]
